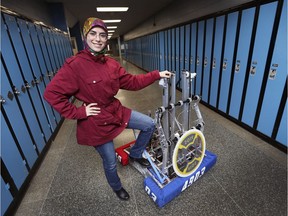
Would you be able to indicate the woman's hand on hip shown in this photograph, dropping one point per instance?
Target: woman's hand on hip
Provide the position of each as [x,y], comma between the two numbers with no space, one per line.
[92,109]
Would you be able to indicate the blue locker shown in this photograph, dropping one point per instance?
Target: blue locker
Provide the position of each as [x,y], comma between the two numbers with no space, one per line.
[11,156]
[138,49]
[173,52]
[193,45]
[36,129]
[181,51]
[14,115]
[49,48]
[37,46]
[54,48]
[177,56]
[282,131]
[44,50]
[260,51]
[228,60]
[207,59]
[187,48]
[36,71]
[162,54]
[42,74]
[157,51]
[216,65]
[59,46]
[169,49]
[6,197]
[165,50]
[155,56]
[247,20]
[276,78]
[199,57]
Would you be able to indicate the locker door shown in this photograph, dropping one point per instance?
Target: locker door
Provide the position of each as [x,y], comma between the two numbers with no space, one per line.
[11,156]
[59,45]
[276,78]
[166,67]
[173,53]
[177,57]
[193,55]
[6,197]
[199,58]
[228,60]
[181,50]
[35,42]
[282,131]
[37,117]
[13,113]
[187,48]
[44,64]
[218,40]
[36,71]
[49,48]
[259,57]
[247,20]
[9,57]
[44,50]
[169,49]
[55,50]
[162,51]
[207,59]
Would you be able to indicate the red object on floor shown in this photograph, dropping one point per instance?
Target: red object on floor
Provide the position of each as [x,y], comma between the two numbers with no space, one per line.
[122,155]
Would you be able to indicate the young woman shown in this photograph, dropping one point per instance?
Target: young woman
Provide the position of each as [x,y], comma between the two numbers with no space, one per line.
[95,79]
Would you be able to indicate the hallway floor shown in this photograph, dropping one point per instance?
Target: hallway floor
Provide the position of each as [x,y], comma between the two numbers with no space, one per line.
[249,177]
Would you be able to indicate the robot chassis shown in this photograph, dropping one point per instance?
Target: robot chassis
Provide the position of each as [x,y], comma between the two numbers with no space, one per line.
[176,149]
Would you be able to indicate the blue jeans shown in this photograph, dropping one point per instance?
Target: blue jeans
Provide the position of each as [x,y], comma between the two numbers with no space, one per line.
[137,121]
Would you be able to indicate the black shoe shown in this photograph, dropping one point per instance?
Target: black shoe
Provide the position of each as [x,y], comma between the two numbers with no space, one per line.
[122,194]
[142,161]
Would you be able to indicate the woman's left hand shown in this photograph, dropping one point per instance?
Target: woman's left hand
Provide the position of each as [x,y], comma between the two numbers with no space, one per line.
[165,74]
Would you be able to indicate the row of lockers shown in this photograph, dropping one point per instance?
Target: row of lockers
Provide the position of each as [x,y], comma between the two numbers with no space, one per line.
[240,58]
[30,55]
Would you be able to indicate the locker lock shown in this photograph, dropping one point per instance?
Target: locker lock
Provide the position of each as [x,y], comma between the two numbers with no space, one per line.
[27,85]
[2,100]
[16,91]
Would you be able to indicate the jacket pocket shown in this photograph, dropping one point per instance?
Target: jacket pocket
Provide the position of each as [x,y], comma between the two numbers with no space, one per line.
[93,80]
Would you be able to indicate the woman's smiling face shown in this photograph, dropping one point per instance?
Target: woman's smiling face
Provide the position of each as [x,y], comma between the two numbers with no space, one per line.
[96,39]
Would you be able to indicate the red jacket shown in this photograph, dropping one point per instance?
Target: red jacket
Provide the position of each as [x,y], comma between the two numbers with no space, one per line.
[92,80]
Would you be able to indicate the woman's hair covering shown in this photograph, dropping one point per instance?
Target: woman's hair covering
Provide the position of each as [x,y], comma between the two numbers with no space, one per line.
[93,22]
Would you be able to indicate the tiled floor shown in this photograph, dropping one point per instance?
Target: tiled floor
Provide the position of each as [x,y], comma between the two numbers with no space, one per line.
[249,178]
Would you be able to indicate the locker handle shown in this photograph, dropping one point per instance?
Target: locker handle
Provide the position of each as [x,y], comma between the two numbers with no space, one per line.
[27,85]
[37,81]
[2,100]
[16,91]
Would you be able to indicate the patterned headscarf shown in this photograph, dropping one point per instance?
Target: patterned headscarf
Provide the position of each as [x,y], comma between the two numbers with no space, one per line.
[88,25]
[93,22]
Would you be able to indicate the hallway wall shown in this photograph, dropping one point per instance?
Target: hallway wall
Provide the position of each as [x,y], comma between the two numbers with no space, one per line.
[240,57]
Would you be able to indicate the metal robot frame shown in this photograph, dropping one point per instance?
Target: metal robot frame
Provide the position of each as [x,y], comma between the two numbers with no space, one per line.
[176,149]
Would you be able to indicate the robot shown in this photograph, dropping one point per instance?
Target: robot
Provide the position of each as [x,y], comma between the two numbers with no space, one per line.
[178,147]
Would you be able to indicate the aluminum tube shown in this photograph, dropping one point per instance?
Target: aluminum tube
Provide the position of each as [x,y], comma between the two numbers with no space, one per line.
[165,102]
[185,96]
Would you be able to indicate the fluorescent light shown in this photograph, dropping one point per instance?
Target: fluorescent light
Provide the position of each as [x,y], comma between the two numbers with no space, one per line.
[112,9]
[111,27]
[111,30]
[112,21]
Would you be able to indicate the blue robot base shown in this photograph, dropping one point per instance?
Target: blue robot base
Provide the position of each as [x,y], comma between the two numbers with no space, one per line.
[162,196]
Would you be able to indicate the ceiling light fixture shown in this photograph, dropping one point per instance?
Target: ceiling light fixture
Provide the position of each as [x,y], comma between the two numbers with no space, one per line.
[111,27]
[112,9]
[112,21]
[111,30]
